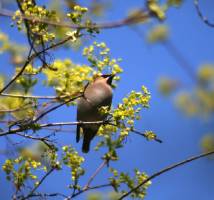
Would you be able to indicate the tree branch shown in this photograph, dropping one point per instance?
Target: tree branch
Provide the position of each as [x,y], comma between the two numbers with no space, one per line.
[144,135]
[56,107]
[202,17]
[30,58]
[22,96]
[166,170]
[175,53]
[16,130]
[181,60]
[40,182]
[31,36]
[45,195]
[44,140]
[138,133]
[19,73]
[100,167]
[23,107]
[143,16]
[87,189]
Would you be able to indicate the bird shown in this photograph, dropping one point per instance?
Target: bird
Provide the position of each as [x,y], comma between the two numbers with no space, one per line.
[98,93]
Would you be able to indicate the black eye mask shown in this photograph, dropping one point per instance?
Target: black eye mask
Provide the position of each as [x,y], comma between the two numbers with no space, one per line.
[110,78]
[106,75]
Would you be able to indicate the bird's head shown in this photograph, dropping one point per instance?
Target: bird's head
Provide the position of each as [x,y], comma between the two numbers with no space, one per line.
[105,78]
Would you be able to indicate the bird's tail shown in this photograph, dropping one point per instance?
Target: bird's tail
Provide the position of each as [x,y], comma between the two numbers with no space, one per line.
[86,144]
[88,136]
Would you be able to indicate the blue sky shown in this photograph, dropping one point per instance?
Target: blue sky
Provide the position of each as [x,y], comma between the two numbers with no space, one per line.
[143,64]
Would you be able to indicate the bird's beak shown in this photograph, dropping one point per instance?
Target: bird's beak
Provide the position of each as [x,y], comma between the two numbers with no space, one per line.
[110,79]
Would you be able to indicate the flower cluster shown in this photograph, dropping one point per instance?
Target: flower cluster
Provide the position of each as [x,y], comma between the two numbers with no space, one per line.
[199,101]
[68,78]
[121,119]
[36,26]
[99,58]
[119,179]
[127,112]
[159,33]
[21,169]
[73,160]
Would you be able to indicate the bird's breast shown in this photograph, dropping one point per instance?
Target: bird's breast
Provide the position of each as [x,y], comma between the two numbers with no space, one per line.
[99,95]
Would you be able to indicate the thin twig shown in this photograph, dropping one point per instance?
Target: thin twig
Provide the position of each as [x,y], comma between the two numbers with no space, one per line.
[144,135]
[87,189]
[100,167]
[70,123]
[16,130]
[28,96]
[40,182]
[30,58]
[19,73]
[23,107]
[56,107]
[60,129]
[106,25]
[166,170]
[30,36]
[41,139]
[174,52]
[202,17]
[48,195]
[181,59]
[138,133]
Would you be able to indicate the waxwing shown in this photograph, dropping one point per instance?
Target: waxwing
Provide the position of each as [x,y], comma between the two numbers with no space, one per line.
[96,94]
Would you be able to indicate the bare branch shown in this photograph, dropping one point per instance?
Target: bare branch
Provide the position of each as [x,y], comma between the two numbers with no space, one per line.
[166,170]
[22,96]
[16,130]
[141,17]
[144,135]
[30,58]
[87,189]
[23,107]
[203,18]
[175,53]
[181,59]
[45,195]
[19,73]
[56,107]
[100,167]
[40,182]
[31,36]
[138,133]
[44,140]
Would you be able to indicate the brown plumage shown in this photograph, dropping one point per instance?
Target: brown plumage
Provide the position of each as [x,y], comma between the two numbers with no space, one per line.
[97,94]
